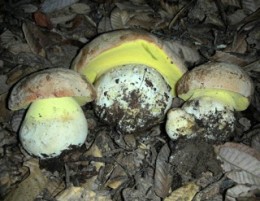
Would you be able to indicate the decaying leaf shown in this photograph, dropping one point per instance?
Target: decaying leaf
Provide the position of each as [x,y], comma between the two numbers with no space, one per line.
[81,194]
[184,193]
[163,177]
[255,143]
[29,188]
[119,18]
[32,35]
[242,177]
[240,162]
[235,3]
[250,5]
[104,25]
[239,44]
[240,191]
[80,8]
[188,53]
[52,5]
[5,113]
[221,56]
[42,20]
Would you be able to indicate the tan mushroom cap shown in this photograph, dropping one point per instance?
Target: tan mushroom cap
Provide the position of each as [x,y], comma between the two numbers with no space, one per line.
[217,80]
[128,47]
[51,83]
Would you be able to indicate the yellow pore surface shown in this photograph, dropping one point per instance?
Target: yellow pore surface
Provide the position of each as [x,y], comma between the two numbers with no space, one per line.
[233,99]
[138,52]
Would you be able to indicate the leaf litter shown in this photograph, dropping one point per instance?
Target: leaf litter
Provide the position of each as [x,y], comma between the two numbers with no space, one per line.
[143,166]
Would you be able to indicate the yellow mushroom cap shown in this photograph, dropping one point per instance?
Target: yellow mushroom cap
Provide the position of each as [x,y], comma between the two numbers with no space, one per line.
[128,47]
[222,81]
[51,83]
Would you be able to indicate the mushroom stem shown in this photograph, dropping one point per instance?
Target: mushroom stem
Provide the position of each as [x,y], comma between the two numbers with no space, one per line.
[203,116]
[53,125]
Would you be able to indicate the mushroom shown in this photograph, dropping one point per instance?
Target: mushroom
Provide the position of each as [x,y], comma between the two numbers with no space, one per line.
[213,92]
[134,73]
[54,121]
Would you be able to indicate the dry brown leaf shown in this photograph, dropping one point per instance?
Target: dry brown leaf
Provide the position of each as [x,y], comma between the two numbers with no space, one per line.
[81,194]
[250,5]
[18,73]
[220,56]
[104,25]
[236,17]
[52,5]
[241,191]
[243,177]
[80,8]
[32,35]
[5,114]
[42,20]
[255,143]
[239,45]
[252,68]
[243,160]
[119,18]
[163,177]
[29,188]
[3,86]
[235,3]
[184,193]
[186,53]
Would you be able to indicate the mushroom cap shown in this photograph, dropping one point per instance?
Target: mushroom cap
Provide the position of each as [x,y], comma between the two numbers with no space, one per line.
[222,81]
[51,83]
[129,47]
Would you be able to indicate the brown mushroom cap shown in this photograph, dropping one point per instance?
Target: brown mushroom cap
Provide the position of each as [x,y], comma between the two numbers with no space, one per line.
[219,77]
[51,83]
[128,47]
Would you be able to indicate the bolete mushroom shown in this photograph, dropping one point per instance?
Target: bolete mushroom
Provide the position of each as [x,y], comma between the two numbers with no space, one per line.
[212,92]
[134,73]
[54,121]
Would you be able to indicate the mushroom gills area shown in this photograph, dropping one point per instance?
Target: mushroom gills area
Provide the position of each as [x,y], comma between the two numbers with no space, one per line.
[132,98]
[138,51]
[52,126]
[232,99]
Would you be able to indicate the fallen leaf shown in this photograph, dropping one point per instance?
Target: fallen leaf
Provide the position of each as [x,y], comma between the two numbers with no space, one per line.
[242,191]
[52,5]
[42,20]
[184,193]
[163,177]
[81,194]
[240,162]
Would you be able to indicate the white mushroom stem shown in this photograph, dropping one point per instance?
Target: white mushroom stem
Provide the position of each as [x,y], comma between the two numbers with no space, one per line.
[52,126]
[179,123]
[132,97]
[205,113]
